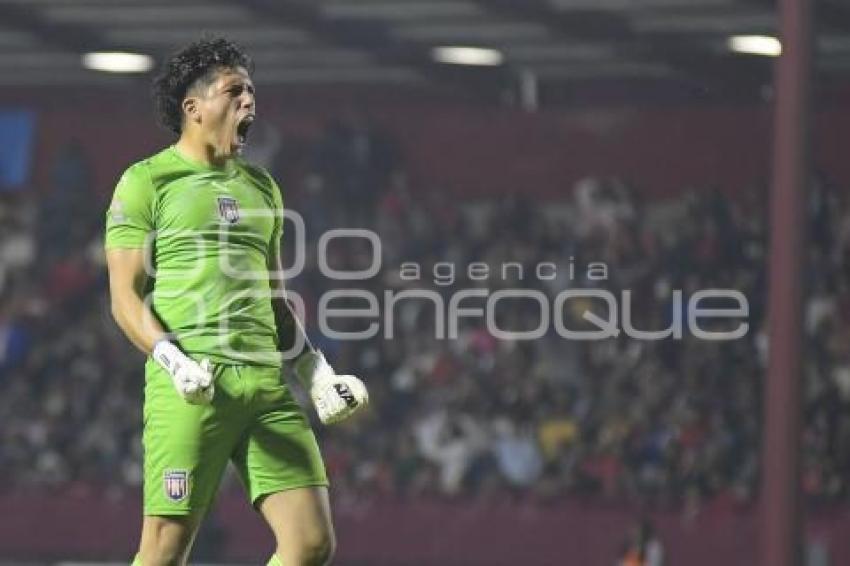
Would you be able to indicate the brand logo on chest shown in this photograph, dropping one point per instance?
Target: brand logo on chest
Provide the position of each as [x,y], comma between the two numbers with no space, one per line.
[228,209]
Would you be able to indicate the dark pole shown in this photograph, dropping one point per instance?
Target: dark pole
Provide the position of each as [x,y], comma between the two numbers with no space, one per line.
[780,492]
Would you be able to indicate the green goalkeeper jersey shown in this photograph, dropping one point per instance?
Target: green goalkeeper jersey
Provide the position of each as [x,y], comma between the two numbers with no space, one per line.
[209,235]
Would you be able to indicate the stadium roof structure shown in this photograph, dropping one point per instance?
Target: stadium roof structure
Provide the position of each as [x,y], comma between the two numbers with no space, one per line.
[550,45]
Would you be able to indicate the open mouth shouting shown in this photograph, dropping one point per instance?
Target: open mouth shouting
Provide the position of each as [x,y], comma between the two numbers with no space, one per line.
[242,129]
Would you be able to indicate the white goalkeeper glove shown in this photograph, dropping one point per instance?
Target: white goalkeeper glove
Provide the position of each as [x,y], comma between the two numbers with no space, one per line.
[335,397]
[193,380]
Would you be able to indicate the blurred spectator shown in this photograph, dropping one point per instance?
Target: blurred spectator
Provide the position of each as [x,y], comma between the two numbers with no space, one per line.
[517,454]
[643,548]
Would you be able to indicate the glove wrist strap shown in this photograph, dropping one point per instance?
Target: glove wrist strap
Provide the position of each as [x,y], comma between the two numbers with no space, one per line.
[306,365]
[167,355]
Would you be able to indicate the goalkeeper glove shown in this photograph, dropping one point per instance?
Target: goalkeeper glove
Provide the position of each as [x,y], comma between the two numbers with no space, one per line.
[335,397]
[193,381]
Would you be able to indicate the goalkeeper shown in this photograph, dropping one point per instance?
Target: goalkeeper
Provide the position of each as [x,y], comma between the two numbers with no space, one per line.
[193,251]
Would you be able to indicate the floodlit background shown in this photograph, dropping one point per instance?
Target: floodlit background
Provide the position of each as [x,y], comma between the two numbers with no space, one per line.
[631,132]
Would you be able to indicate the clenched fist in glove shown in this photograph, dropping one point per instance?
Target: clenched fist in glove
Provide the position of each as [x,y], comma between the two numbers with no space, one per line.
[335,397]
[193,380]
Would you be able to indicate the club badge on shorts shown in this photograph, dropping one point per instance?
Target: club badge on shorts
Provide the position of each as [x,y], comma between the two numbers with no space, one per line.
[228,209]
[176,484]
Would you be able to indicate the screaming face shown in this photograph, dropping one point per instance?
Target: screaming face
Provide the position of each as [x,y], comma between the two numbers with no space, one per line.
[225,112]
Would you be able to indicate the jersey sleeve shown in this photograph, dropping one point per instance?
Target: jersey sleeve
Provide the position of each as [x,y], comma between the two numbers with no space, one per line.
[130,217]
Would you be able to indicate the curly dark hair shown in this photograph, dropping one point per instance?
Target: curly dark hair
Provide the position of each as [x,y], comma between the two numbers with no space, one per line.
[195,62]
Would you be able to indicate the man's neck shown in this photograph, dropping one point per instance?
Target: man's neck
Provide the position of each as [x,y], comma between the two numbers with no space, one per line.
[196,150]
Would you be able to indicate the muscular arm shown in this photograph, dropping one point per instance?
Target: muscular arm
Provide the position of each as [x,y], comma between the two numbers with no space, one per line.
[126,283]
[335,397]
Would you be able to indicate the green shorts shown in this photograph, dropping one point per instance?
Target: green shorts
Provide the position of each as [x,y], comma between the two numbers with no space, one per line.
[253,421]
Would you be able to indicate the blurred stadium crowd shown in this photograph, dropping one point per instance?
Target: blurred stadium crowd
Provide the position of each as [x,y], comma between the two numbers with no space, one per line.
[666,422]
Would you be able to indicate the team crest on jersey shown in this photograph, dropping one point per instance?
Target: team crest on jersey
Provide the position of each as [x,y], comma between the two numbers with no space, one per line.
[176,484]
[228,209]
